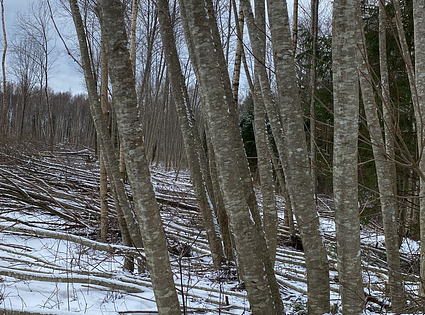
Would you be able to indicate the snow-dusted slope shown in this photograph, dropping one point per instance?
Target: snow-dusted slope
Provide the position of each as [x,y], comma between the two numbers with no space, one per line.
[51,263]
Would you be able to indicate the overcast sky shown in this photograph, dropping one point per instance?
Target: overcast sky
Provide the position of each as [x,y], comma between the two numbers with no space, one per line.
[63,76]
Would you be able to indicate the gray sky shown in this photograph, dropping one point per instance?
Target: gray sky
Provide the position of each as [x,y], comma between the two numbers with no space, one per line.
[64,76]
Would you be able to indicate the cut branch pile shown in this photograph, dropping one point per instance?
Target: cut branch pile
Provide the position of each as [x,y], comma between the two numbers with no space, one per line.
[55,198]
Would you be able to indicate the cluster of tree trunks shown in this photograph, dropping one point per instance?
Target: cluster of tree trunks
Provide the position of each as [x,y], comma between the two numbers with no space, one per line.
[215,153]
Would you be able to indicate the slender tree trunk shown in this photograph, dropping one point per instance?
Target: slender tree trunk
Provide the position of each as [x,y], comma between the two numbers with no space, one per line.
[261,142]
[384,175]
[104,222]
[49,107]
[134,11]
[345,180]
[297,167]
[201,30]
[266,174]
[129,125]
[257,37]
[295,27]
[219,205]
[314,33]
[419,27]
[238,53]
[187,125]
[133,31]
[387,105]
[129,228]
[3,66]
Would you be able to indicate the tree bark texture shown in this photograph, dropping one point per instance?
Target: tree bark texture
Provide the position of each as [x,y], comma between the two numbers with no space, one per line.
[261,142]
[129,126]
[200,26]
[125,215]
[419,37]
[345,178]
[314,34]
[297,168]
[257,35]
[187,125]
[384,174]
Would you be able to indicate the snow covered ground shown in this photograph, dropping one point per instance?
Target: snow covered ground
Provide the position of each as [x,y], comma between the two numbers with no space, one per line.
[50,262]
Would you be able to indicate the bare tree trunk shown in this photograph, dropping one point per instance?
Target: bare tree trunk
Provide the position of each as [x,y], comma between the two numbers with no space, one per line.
[219,205]
[387,105]
[201,30]
[384,175]
[129,228]
[261,142]
[297,167]
[266,174]
[257,37]
[238,53]
[134,11]
[188,125]
[104,223]
[295,27]
[3,66]
[345,178]
[419,28]
[313,151]
[146,206]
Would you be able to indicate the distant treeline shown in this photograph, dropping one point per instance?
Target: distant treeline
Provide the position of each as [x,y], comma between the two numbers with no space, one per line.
[27,116]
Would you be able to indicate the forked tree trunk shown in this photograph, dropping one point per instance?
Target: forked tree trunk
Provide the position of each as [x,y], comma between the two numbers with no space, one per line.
[200,27]
[345,178]
[188,125]
[129,228]
[129,125]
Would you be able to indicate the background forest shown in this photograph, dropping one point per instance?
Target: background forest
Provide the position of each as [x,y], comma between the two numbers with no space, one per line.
[281,120]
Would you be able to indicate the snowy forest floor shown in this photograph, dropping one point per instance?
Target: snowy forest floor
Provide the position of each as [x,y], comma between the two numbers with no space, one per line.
[52,263]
